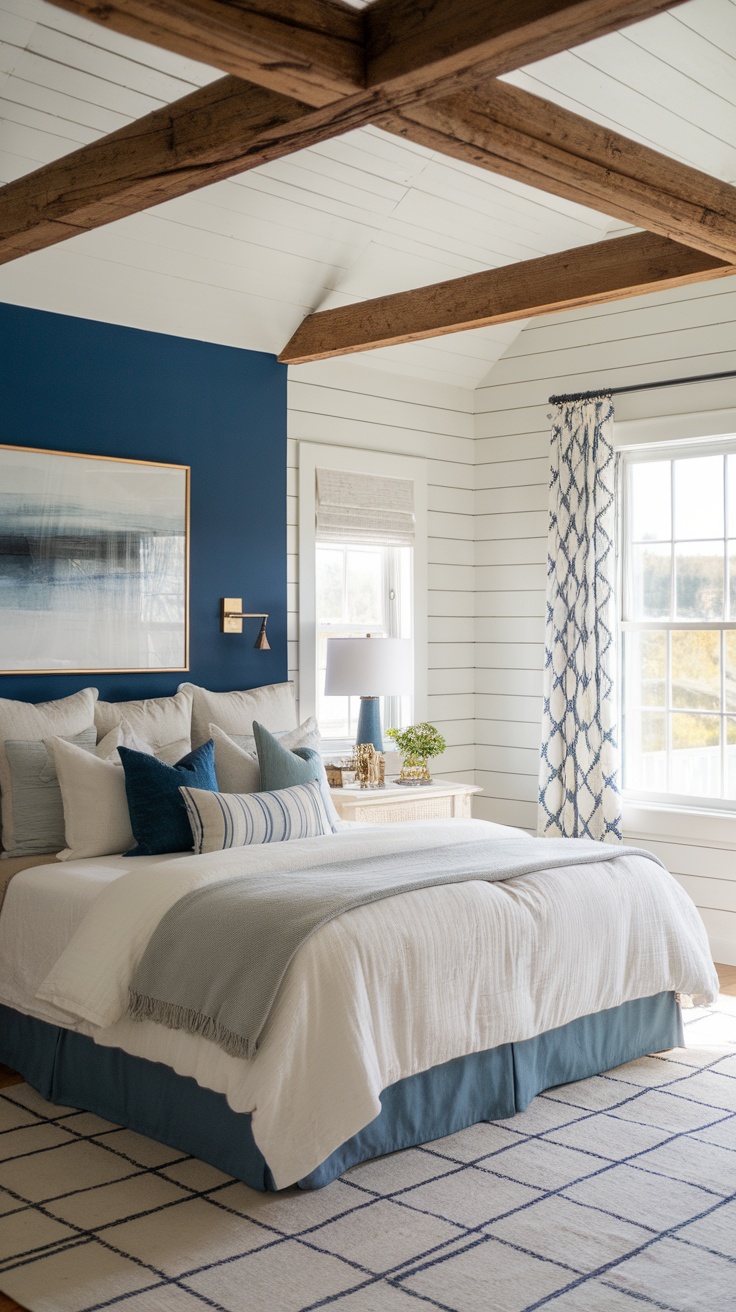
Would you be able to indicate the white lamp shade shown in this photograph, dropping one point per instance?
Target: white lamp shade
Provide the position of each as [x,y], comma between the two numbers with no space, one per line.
[369,667]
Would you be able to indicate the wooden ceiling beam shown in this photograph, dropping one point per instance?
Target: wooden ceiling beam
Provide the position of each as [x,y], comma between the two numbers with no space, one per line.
[321,50]
[213,133]
[426,46]
[510,132]
[231,125]
[588,275]
[312,50]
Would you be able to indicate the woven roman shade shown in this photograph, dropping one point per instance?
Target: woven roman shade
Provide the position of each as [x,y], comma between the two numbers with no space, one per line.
[364,508]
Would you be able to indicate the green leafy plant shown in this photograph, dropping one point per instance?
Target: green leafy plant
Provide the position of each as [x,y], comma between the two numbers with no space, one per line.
[417,742]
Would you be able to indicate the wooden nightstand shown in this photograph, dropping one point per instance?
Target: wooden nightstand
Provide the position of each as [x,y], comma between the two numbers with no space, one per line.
[440,800]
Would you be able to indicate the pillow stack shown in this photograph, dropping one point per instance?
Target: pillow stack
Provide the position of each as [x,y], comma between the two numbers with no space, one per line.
[83,778]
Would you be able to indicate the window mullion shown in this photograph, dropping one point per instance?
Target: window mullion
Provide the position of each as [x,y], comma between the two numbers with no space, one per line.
[726,595]
[724,613]
[668,709]
[668,640]
[722,717]
[672,540]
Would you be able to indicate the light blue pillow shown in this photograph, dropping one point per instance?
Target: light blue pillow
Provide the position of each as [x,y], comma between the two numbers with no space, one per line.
[281,768]
[38,812]
[223,820]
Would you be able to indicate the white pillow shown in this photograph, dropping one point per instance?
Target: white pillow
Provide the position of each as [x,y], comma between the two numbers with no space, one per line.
[236,758]
[273,706]
[96,818]
[221,820]
[121,736]
[237,771]
[164,722]
[305,735]
[32,722]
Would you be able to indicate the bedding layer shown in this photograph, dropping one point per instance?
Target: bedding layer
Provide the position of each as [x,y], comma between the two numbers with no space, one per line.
[392,989]
[215,961]
[45,904]
[149,1097]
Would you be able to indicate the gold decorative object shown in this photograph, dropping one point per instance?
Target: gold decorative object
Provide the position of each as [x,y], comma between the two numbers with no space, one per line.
[365,764]
[369,766]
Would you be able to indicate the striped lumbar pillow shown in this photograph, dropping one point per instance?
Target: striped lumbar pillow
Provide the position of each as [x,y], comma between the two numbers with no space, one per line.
[221,820]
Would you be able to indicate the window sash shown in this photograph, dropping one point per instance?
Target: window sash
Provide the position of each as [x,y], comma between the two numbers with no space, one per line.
[395,710]
[680,453]
[313,456]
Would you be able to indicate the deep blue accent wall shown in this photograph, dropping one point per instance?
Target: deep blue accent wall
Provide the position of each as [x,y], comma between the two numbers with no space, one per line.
[77,385]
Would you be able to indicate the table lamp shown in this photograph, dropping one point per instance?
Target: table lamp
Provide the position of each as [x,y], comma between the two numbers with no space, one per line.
[369,668]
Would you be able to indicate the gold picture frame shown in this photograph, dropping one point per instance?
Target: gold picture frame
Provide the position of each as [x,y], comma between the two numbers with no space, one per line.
[94,559]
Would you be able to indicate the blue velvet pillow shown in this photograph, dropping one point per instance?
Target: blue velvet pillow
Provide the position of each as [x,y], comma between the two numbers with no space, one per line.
[158,815]
[282,768]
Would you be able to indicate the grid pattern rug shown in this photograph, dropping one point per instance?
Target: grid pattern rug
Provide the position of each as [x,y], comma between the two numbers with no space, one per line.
[613,1194]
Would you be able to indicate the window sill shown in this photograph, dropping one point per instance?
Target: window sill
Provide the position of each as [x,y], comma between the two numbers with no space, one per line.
[676,824]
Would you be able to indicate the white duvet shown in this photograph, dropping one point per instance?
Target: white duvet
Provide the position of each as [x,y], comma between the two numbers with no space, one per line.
[392,988]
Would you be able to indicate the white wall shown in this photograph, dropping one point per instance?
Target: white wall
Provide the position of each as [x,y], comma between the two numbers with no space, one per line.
[355,405]
[684,332]
[487,548]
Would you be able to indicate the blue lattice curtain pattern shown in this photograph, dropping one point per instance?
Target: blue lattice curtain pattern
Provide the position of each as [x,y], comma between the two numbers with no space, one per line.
[579,793]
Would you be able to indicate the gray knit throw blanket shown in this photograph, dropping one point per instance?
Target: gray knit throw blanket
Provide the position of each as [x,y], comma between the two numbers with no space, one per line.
[214,964]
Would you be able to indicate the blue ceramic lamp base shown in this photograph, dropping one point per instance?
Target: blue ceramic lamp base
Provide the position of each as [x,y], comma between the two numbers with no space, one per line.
[369,722]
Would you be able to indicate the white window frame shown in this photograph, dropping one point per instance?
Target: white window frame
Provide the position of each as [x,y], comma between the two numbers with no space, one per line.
[357,461]
[390,585]
[670,438]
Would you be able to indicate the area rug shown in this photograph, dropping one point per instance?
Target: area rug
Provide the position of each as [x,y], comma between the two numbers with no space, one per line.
[613,1194]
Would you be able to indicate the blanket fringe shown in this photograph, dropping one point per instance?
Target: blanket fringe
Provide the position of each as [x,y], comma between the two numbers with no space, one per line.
[174,1017]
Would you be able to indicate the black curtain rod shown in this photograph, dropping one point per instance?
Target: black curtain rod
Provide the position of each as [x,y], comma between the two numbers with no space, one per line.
[640,387]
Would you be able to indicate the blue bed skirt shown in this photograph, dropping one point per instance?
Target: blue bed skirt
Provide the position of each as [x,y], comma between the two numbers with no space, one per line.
[71,1069]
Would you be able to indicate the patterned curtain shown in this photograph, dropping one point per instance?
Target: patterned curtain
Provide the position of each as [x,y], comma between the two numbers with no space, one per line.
[579,770]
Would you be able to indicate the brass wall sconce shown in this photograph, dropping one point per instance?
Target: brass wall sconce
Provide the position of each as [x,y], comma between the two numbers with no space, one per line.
[232,616]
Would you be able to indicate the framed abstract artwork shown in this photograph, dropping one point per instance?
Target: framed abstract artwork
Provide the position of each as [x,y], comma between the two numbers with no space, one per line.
[94,563]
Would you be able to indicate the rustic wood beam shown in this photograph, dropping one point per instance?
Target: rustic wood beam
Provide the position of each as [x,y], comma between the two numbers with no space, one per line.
[218,131]
[587,275]
[425,45]
[231,125]
[312,50]
[320,50]
[510,132]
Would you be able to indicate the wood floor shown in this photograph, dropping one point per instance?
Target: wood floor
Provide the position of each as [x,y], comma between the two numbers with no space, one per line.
[726,974]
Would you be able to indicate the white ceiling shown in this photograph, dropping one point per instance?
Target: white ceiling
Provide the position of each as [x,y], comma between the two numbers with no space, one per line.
[242,262]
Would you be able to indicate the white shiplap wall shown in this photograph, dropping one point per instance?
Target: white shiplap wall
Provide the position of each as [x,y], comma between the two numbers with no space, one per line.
[350,405]
[680,333]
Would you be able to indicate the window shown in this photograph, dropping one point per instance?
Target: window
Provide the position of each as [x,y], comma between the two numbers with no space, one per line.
[361,589]
[679,625]
[362,569]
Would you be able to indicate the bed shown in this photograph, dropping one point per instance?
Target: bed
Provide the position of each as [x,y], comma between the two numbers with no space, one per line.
[396,1023]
